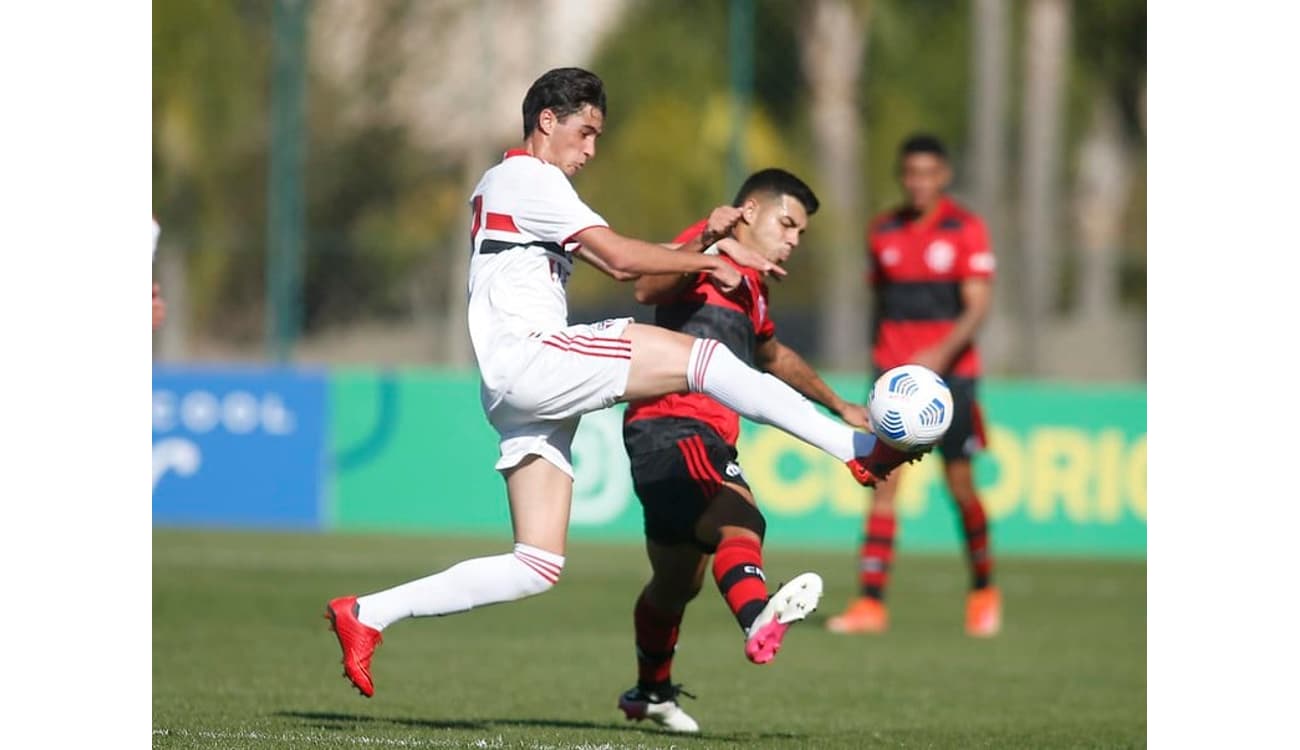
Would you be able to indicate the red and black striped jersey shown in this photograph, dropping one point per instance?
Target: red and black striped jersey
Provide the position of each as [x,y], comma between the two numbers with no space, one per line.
[916,270]
[738,320]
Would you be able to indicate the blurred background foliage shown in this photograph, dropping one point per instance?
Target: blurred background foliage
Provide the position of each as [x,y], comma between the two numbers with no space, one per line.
[388,173]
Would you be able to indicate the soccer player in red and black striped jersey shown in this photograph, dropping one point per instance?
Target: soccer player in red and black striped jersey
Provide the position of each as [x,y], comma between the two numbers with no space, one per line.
[932,273]
[684,464]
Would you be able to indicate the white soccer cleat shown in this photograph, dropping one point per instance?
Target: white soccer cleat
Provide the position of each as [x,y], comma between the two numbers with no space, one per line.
[658,706]
[790,604]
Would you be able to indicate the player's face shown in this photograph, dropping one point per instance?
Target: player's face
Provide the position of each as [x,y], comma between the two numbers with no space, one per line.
[773,225]
[924,177]
[572,140]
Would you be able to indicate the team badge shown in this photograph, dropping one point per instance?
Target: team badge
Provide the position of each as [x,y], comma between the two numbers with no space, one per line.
[940,256]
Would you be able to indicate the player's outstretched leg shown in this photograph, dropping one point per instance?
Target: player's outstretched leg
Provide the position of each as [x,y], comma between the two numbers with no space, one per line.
[715,371]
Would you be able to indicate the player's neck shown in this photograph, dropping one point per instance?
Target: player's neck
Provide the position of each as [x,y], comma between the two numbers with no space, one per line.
[923,213]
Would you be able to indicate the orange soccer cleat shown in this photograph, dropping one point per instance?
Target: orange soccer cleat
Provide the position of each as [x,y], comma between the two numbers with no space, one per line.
[864,615]
[984,612]
[357,640]
[875,466]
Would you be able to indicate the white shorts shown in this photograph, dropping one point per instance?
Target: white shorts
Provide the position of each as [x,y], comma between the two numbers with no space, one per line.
[548,380]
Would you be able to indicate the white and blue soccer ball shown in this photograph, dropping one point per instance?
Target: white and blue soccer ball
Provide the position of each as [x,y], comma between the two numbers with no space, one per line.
[910,407]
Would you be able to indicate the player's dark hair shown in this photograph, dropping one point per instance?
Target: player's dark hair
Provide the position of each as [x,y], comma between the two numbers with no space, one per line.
[563,91]
[922,143]
[778,182]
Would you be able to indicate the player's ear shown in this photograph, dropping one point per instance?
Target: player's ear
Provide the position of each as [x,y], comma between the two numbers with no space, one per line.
[749,209]
[546,121]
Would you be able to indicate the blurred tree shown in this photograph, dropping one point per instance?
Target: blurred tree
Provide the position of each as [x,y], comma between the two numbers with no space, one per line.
[1046,54]
[833,45]
[987,165]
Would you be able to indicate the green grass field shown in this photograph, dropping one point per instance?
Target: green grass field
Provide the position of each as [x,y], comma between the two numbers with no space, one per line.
[243,659]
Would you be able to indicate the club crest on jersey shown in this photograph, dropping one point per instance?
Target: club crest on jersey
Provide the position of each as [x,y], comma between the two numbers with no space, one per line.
[940,255]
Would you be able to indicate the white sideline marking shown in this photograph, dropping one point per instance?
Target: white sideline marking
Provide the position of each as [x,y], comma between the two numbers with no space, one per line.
[336,739]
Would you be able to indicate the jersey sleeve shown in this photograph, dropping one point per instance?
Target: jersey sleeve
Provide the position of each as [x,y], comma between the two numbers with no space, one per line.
[977,253]
[690,233]
[873,261]
[553,212]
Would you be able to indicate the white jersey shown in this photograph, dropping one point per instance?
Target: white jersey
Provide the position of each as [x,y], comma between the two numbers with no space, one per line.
[525,214]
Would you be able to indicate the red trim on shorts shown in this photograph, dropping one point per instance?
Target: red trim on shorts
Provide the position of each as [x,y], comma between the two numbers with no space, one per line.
[698,466]
[608,353]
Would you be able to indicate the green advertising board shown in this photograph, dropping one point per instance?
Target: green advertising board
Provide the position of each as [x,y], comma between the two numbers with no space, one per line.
[1065,472]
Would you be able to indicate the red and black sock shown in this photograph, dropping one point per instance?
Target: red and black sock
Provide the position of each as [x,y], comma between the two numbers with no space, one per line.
[656,642]
[877,555]
[738,571]
[976,529]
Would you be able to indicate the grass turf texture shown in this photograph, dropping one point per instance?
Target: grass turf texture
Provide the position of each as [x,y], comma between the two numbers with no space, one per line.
[242,657]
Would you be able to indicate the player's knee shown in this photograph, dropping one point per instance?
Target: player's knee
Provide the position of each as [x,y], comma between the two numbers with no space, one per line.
[538,570]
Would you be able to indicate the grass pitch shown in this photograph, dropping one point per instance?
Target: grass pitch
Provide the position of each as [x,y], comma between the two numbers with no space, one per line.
[242,657]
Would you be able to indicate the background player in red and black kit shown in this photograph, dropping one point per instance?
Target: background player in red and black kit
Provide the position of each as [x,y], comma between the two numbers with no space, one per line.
[684,462]
[932,272]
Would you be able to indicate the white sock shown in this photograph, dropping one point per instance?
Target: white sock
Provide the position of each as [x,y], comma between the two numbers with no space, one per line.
[464,586]
[716,372]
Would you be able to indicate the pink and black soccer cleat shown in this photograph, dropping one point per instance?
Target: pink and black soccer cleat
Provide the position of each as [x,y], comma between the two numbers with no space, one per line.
[791,603]
[357,640]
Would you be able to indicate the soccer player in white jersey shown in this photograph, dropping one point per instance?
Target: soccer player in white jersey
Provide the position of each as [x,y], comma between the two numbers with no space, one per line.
[540,374]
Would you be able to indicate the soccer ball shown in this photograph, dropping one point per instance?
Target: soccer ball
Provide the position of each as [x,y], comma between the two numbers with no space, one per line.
[911,408]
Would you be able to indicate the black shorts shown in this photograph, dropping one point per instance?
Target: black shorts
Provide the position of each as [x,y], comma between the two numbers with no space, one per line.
[678,465]
[966,436]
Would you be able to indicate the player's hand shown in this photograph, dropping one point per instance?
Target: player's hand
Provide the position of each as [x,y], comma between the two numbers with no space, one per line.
[855,415]
[726,277]
[719,224]
[932,358]
[749,257]
[159,307]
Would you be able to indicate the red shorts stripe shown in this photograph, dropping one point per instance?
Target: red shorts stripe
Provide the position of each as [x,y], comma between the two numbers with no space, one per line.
[611,354]
[704,459]
[593,343]
[697,465]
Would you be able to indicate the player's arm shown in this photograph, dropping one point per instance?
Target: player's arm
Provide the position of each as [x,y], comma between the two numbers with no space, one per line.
[977,298]
[625,258]
[656,289]
[785,363]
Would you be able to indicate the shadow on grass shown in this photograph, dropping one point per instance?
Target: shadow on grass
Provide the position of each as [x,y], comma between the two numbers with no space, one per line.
[340,721]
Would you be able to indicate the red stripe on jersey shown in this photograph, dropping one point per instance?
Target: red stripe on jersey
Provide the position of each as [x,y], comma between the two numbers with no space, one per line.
[501,223]
[477,208]
[695,406]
